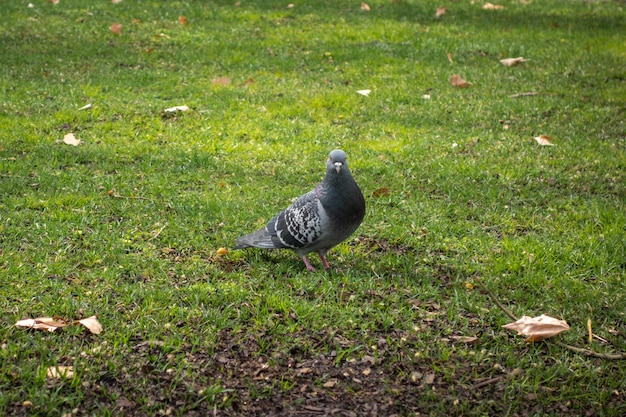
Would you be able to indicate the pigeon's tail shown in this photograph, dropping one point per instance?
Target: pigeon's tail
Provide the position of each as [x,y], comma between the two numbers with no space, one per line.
[259,239]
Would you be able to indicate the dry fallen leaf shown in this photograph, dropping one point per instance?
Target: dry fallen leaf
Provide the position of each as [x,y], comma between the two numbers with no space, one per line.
[60,372]
[85,107]
[450,58]
[490,6]
[538,328]
[222,251]
[459,82]
[380,192]
[330,383]
[365,6]
[176,109]
[53,1]
[116,28]
[182,20]
[41,323]
[364,92]
[465,339]
[92,324]
[511,62]
[69,139]
[220,81]
[544,140]
[440,12]
[116,1]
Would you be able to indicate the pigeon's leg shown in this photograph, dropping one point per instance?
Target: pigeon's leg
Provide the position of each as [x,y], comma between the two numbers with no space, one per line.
[324,261]
[308,264]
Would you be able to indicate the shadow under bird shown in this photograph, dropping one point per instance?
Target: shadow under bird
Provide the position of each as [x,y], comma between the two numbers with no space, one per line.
[317,220]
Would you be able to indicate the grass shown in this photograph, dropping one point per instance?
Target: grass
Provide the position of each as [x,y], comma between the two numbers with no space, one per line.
[471,197]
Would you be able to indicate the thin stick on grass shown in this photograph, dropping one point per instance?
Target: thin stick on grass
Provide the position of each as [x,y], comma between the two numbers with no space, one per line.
[587,352]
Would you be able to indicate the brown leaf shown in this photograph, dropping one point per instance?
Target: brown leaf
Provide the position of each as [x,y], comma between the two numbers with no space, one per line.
[365,7]
[330,383]
[440,12]
[182,20]
[60,372]
[538,328]
[380,192]
[490,6]
[450,58]
[459,82]
[511,62]
[220,81]
[116,28]
[429,379]
[92,324]
[41,323]
[544,140]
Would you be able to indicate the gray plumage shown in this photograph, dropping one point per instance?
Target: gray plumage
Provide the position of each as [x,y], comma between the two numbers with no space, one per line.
[317,220]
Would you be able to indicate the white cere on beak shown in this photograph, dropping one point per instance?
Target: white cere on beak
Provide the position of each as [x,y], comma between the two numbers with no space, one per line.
[338,166]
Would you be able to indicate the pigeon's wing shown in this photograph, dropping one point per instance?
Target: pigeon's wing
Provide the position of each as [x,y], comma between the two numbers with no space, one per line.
[299,225]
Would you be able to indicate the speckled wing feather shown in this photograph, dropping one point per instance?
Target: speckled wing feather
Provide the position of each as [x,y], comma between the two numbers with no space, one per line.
[299,225]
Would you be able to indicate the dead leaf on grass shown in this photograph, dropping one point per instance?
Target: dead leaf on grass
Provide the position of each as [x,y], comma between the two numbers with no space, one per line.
[70,139]
[458,82]
[450,58]
[470,340]
[116,28]
[85,107]
[220,81]
[41,323]
[330,383]
[60,372]
[380,192]
[491,6]
[92,324]
[365,93]
[176,109]
[511,62]
[544,140]
[182,20]
[440,12]
[365,7]
[538,328]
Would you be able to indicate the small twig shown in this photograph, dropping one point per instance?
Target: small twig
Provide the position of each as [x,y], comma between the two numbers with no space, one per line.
[587,352]
[130,197]
[157,233]
[528,94]
[488,382]
[495,300]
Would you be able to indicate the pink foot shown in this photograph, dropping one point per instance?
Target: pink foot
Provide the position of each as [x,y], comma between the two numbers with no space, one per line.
[324,262]
[308,264]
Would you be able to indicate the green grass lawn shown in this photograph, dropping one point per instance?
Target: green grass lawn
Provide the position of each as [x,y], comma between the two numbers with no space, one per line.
[127,225]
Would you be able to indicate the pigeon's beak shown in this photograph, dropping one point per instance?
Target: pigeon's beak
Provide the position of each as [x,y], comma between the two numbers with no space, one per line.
[338,166]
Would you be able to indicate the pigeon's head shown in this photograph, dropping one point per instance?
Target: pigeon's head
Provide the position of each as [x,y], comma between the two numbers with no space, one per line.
[336,160]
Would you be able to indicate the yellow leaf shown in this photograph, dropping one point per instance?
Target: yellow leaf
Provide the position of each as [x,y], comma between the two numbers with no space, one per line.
[222,251]
[459,82]
[60,372]
[365,6]
[538,328]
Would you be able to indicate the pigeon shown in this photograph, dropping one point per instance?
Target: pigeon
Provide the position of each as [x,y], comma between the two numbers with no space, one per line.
[317,220]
